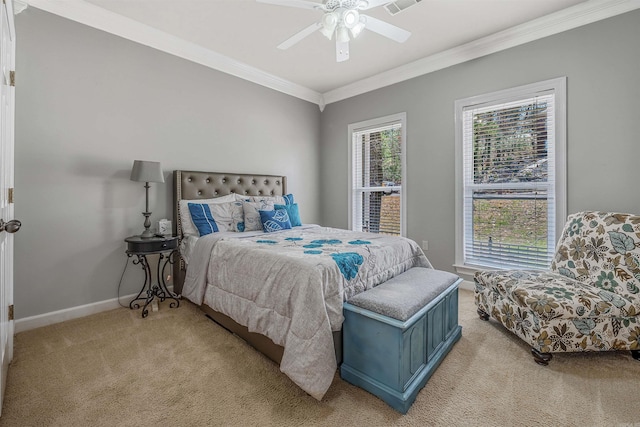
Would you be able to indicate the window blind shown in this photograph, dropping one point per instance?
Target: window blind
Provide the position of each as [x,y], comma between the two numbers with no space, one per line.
[377,179]
[509,182]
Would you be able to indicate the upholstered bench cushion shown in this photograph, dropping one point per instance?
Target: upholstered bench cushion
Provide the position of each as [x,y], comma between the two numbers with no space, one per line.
[402,296]
[551,295]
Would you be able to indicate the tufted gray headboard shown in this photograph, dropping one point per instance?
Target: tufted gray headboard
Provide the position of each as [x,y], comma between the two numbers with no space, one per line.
[193,185]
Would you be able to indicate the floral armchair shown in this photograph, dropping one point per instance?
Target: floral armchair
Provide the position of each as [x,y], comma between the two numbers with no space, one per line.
[589,300]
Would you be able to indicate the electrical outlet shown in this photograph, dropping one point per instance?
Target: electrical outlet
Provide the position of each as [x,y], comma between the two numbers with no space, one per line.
[425,245]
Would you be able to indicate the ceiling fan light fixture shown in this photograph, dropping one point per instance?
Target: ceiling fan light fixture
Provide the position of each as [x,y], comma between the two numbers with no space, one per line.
[342,35]
[357,29]
[350,18]
[329,22]
[343,20]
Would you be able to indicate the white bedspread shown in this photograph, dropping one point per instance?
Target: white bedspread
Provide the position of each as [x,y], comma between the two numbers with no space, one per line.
[290,286]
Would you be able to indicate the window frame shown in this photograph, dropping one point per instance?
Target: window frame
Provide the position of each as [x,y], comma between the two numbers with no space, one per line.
[372,124]
[559,88]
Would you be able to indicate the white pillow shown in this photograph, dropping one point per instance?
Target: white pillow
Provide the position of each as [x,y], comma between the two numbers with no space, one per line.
[228,216]
[188,228]
[277,200]
[252,220]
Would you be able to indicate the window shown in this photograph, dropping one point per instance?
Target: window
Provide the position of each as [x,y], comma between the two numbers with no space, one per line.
[510,176]
[377,175]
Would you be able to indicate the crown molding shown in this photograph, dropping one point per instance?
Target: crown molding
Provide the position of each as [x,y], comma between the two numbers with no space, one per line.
[563,20]
[19,6]
[102,19]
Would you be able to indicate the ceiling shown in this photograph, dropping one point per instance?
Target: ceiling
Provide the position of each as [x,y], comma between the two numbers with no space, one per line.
[243,35]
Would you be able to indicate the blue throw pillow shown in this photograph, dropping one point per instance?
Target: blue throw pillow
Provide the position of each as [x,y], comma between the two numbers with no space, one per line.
[294,213]
[288,199]
[275,220]
[202,218]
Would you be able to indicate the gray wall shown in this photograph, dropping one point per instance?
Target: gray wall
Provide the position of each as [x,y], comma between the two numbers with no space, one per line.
[602,65]
[87,104]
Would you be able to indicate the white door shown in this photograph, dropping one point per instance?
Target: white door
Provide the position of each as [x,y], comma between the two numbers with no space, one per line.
[8,225]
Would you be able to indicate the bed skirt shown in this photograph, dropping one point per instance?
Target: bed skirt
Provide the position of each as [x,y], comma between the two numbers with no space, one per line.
[260,342]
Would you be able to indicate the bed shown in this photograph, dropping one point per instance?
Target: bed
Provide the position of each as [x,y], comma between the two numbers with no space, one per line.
[281,291]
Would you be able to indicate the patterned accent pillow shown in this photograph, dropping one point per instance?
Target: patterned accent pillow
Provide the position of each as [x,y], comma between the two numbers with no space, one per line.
[275,220]
[293,211]
[273,199]
[228,216]
[252,210]
[202,218]
[188,227]
[287,199]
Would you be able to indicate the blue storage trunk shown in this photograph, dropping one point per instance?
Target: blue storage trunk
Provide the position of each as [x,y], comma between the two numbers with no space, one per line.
[392,358]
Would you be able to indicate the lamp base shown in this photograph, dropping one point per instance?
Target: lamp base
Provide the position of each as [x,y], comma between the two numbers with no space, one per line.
[147,233]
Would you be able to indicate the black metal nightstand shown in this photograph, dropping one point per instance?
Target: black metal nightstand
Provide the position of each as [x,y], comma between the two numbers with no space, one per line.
[166,248]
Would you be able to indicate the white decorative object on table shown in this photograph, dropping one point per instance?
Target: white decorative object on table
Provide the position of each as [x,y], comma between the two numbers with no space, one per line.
[164,227]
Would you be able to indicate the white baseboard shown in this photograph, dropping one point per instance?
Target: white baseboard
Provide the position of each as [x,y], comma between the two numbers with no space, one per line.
[467,284]
[47,319]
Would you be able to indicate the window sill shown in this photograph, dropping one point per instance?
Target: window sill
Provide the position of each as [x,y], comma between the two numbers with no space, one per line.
[471,270]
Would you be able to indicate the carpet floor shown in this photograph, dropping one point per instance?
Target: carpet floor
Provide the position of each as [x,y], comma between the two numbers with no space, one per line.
[178,368]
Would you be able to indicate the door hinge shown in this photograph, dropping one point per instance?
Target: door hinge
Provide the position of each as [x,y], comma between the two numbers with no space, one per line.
[12,78]
[10,195]
[11,312]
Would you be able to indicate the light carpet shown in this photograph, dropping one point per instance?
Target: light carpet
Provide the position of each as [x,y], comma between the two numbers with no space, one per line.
[178,368]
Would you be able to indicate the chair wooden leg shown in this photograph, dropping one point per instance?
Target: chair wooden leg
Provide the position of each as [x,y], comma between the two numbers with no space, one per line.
[635,354]
[541,358]
[483,315]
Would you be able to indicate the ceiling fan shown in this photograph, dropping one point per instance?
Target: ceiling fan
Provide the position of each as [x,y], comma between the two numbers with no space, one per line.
[342,19]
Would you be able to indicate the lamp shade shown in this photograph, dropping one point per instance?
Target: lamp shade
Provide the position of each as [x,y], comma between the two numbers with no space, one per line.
[145,171]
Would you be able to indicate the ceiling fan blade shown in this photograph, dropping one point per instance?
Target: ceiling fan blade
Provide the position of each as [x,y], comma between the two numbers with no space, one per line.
[385,29]
[370,4]
[303,4]
[299,36]
[342,51]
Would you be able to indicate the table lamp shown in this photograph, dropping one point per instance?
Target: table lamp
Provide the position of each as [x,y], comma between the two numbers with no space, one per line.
[144,171]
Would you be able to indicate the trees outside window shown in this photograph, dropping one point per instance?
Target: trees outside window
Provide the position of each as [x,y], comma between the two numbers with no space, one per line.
[377,175]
